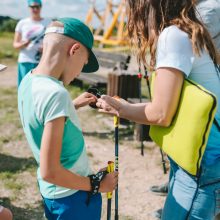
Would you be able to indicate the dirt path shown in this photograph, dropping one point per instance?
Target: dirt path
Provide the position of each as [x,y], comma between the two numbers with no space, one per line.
[137,173]
[8,78]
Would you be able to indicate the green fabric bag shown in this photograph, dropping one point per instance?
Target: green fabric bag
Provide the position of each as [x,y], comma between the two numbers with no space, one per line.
[185,140]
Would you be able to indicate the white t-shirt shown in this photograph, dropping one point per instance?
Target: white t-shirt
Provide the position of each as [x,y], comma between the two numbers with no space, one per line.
[174,50]
[33,31]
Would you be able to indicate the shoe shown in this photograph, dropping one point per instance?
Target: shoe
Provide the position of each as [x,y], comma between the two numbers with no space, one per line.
[157,214]
[160,190]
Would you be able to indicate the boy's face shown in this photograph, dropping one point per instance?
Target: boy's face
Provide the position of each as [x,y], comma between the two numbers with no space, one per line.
[75,63]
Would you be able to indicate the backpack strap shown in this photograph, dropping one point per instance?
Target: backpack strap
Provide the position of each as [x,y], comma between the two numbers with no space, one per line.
[217,67]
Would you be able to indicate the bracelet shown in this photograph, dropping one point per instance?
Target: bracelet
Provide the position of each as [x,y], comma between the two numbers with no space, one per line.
[95,180]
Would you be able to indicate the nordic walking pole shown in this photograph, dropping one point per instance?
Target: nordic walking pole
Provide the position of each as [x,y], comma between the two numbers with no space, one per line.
[110,169]
[116,124]
[140,99]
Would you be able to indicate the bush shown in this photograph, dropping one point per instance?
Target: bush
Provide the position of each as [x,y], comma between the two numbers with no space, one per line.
[7,24]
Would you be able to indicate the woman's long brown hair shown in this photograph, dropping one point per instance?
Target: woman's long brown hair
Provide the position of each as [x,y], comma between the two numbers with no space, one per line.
[148,18]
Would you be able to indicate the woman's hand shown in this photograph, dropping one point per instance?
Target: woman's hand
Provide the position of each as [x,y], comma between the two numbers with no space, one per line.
[18,43]
[111,106]
[109,183]
[84,99]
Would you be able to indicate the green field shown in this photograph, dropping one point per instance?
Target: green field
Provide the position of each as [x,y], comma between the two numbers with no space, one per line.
[6,50]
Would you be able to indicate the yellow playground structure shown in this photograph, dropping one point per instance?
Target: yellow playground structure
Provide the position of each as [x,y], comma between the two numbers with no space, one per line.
[110,22]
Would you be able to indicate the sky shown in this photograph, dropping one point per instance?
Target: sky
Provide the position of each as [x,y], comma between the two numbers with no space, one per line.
[51,8]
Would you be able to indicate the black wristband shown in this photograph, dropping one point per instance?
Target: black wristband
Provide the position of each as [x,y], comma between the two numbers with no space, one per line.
[95,180]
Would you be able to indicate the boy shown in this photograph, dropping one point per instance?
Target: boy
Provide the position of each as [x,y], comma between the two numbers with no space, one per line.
[51,126]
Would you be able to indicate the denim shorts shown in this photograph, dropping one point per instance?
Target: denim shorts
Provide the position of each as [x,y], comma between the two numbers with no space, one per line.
[74,207]
[193,198]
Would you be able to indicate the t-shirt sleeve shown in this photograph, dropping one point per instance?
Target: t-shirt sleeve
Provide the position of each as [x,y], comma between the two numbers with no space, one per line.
[57,106]
[18,27]
[49,106]
[174,50]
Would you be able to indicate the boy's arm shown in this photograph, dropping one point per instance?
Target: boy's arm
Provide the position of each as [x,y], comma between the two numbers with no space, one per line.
[50,167]
[52,170]
[84,99]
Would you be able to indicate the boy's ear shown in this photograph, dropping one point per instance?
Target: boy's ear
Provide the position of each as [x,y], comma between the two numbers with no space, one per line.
[74,48]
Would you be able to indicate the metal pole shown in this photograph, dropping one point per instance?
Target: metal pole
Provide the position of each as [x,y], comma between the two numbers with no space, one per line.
[140,98]
[116,124]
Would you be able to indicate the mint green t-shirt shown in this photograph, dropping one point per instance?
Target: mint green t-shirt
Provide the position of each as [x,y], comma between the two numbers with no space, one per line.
[40,100]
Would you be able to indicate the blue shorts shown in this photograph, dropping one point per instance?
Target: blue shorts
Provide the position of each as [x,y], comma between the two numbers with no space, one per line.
[23,69]
[74,207]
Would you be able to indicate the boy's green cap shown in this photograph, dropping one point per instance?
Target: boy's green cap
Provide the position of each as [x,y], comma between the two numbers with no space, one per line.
[77,30]
[31,2]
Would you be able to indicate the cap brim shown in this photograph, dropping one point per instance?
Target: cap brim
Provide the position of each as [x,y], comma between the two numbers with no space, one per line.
[2,67]
[92,65]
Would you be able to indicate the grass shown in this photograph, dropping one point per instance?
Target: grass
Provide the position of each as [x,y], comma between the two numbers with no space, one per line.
[8,100]
[6,49]
[16,162]
[10,183]
[9,118]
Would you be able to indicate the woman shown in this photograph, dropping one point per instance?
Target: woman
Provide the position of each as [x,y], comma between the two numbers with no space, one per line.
[29,33]
[180,47]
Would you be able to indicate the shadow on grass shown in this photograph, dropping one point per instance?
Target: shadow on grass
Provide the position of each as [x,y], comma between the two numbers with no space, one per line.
[125,132]
[23,213]
[13,164]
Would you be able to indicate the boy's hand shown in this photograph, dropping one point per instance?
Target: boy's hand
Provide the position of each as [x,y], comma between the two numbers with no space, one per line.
[103,169]
[84,99]
[109,183]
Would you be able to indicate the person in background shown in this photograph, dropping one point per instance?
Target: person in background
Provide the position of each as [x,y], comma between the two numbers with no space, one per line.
[5,213]
[209,14]
[28,37]
[179,47]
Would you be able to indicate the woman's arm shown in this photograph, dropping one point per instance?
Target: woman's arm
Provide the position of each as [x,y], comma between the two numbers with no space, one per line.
[52,170]
[18,43]
[167,89]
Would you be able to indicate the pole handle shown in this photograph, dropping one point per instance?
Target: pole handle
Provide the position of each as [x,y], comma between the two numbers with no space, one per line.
[116,121]
[110,169]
